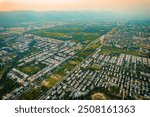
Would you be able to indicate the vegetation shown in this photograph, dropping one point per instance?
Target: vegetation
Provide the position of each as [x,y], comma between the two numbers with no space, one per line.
[45,85]
[114,90]
[76,36]
[52,80]
[114,50]
[79,32]
[3,69]
[94,67]
[32,68]
[67,67]
[7,85]
[102,94]
[32,94]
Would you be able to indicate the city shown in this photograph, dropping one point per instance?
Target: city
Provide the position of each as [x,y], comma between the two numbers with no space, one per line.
[75,60]
[126,76]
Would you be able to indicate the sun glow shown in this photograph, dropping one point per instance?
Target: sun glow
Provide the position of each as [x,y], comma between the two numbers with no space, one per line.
[107,5]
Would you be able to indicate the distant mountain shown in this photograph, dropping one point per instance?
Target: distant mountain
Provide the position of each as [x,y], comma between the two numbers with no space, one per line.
[15,18]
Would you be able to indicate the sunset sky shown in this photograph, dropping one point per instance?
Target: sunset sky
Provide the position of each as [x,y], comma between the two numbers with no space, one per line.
[103,5]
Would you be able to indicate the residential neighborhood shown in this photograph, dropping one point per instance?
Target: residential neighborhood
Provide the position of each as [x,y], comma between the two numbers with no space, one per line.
[41,62]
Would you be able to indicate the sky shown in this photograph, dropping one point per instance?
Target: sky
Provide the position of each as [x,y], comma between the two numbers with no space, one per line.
[130,6]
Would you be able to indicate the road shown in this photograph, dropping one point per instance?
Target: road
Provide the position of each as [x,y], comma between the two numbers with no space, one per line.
[44,97]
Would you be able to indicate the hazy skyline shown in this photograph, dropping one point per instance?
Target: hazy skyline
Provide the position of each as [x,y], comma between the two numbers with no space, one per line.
[129,6]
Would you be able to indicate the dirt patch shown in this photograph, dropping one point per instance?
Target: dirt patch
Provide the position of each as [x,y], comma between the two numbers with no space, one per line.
[98,96]
[44,83]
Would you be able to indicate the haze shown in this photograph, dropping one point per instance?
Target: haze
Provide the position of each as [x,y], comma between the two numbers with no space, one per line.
[132,6]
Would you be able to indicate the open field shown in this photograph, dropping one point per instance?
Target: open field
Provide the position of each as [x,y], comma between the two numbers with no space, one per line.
[31,68]
[113,50]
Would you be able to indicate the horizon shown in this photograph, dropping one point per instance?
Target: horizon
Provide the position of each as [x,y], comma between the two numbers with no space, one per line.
[118,6]
[82,11]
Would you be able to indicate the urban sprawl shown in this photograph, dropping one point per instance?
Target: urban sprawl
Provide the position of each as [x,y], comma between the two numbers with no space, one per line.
[118,68]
